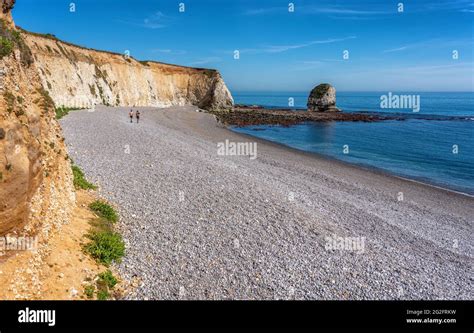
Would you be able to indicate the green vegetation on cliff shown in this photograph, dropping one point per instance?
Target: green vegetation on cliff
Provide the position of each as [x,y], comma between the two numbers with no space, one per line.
[64,111]
[80,181]
[11,39]
[105,246]
[6,47]
[104,285]
[103,209]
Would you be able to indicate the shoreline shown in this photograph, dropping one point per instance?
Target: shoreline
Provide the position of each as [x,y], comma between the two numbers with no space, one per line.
[203,226]
[369,168]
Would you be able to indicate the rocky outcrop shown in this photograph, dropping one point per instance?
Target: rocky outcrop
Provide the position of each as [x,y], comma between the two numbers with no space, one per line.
[7,6]
[242,115]
[36,191]
[78,77]
[322,98]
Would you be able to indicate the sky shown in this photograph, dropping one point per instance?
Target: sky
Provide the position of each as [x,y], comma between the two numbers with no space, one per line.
[368,45]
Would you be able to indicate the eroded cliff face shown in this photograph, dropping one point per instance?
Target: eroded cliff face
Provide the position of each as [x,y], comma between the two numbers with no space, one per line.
[80,77]
[36,191]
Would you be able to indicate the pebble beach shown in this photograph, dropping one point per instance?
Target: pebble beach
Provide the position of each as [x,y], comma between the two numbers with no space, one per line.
[284,225]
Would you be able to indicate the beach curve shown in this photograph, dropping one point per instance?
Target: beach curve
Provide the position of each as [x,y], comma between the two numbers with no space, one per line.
[203,226]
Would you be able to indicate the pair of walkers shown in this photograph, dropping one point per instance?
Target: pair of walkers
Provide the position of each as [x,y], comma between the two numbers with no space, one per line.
[137,115]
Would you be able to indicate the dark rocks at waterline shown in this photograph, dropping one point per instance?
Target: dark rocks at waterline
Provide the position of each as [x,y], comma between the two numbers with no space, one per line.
[323,99]
[247,116]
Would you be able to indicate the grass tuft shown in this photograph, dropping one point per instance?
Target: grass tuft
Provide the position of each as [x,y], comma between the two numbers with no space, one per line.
[105,246]
[80,182]
[108,279]
[45,101]
[62,111]
[103,295]
[104,210]
[6,47]
[11,39]
[89,291]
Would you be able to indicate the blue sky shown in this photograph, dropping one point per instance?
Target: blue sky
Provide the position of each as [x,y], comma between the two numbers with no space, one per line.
[279,50]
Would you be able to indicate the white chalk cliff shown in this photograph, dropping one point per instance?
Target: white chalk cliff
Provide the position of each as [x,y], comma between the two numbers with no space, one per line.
[79,77]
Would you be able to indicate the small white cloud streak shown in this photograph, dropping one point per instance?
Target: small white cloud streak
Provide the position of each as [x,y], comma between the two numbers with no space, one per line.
[354,13]
[169,51]
[204,61]
[156,21]
[396,49]
[431,43]
[284,48]
[320,9]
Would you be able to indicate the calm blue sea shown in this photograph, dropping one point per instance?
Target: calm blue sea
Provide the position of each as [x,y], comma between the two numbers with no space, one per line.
[440,152]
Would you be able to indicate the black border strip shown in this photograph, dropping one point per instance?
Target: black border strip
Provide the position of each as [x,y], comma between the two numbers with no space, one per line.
[92,315]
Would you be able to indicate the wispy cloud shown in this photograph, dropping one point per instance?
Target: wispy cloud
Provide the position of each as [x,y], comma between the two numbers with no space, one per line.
[455,5]
[342,10]
[283,48]
[462,67]
[262,11]
[310,64]
[156,20]
[204,61]
[402,48]
[363,11]
[169,51]
[319,9]
[430,44]
[322,61]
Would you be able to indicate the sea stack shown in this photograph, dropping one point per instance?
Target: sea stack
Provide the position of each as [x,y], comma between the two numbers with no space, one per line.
[323,98]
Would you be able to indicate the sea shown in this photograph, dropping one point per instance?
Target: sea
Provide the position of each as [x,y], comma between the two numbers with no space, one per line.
[434,144]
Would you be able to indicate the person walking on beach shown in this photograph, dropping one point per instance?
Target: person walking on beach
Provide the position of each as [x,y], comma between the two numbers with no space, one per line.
[131,116]
[137,114]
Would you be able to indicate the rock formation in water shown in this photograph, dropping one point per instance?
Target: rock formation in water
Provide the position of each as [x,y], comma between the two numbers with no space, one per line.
[322,98]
